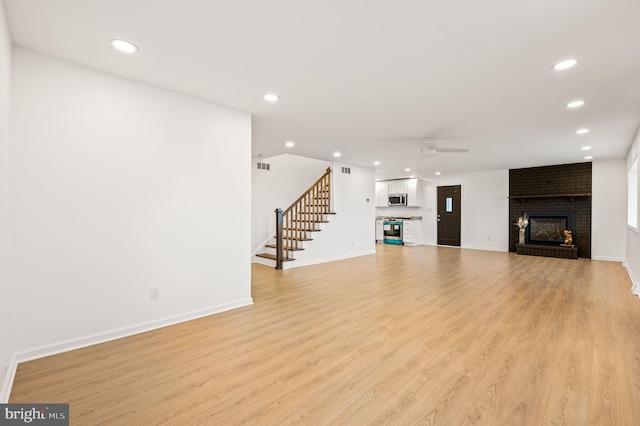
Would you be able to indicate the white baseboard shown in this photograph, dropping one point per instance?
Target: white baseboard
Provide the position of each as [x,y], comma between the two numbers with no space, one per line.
[94,339]
[500,249]
[5,390]
[608,259]
[297,263]
[635,284]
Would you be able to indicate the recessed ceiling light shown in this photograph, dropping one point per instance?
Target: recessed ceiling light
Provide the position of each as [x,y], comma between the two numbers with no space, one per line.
[575,104]
[589,157]
[437,173]
[582,131]
[271,97]
[376,163]
[407,170]
[124,46]
[563,65]
[290,144]
[336,154]
[586,148]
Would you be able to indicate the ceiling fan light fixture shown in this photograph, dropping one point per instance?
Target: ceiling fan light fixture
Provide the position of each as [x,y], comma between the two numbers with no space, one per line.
[425,151]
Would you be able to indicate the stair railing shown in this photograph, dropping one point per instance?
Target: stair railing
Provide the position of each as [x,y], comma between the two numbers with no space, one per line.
[293,224]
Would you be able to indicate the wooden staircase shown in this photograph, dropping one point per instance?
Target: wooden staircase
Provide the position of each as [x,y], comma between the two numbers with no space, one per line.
[300,221]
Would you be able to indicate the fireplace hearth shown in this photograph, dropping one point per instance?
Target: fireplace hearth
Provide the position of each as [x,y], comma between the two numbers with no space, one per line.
[545,235]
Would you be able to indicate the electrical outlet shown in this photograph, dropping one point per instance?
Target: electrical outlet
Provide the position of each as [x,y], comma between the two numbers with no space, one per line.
[154,294]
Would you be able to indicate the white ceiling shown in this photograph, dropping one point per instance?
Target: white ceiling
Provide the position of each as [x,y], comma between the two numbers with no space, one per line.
[371,78]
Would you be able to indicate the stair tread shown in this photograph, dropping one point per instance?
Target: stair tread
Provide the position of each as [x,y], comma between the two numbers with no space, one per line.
[312,212]
[284,248]
[301,229]
[274,257]
[297,239]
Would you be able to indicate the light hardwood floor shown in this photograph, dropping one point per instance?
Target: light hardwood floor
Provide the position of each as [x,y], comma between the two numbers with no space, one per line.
[411,335]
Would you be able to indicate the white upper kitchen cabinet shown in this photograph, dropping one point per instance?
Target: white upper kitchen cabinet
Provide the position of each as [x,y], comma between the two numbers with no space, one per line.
[411,187]
[398,187]
[382,194]
[413,193]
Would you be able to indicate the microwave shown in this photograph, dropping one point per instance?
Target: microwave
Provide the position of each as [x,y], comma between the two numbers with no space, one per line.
[397,199]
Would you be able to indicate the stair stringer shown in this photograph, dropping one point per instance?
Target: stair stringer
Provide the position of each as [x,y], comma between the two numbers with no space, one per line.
[306,245]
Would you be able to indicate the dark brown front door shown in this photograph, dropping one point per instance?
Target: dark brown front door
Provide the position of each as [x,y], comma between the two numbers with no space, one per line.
[449,202]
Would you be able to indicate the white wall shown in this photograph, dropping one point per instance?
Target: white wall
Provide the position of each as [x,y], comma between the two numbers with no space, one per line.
[430,213]
[350,233]
[632,249]
[6,286]
[120,187]
[485,209]
[608,209]
[288,177]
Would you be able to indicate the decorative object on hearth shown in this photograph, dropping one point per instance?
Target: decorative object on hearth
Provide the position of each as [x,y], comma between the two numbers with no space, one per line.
[568,239]
[522,223]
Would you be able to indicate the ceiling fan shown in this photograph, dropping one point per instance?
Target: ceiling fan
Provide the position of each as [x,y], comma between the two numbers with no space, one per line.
[429,149]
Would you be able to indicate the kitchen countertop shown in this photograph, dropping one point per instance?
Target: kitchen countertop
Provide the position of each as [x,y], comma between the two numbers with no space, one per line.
[397,217]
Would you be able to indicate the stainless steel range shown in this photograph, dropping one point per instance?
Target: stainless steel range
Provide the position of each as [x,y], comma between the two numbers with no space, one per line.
[392,231]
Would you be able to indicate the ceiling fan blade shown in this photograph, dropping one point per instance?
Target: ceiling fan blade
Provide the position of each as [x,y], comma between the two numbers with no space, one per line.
[458,150]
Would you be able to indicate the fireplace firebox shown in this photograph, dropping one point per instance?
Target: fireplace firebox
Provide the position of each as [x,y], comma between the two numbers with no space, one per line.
[547,227]
[547,230]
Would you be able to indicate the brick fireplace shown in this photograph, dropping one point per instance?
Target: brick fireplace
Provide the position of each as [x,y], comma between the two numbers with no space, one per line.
[555,198]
